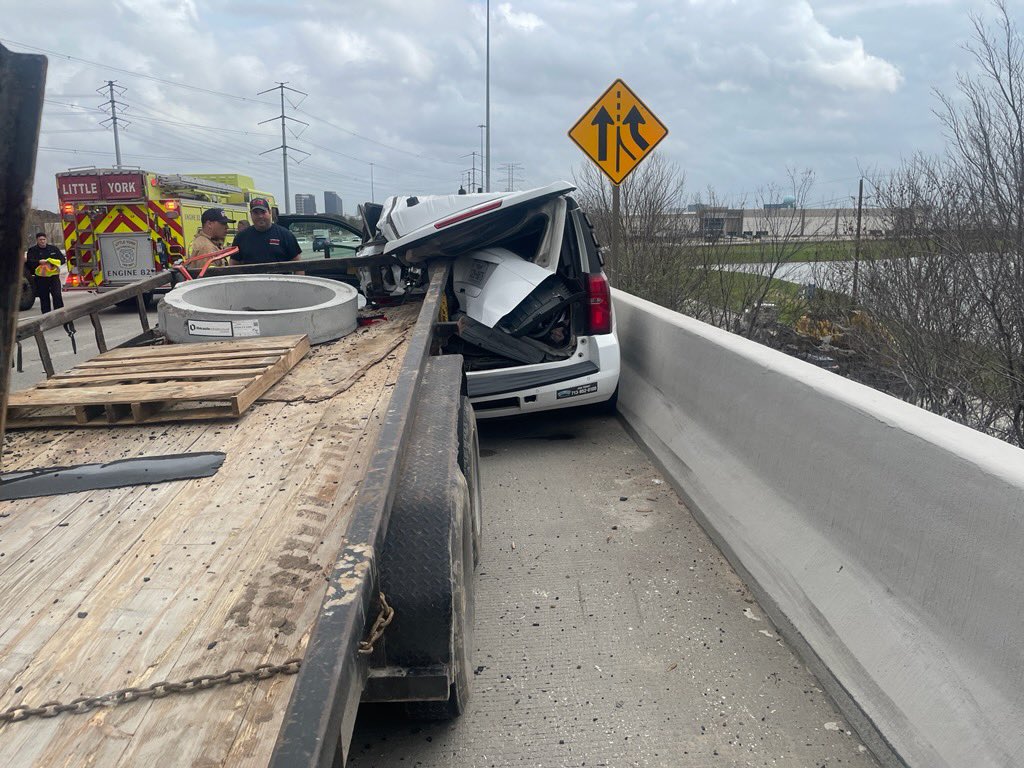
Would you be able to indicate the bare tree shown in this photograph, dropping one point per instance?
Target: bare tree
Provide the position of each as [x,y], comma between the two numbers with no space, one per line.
[943,295]
[744,297]
[651,199]
[986,162]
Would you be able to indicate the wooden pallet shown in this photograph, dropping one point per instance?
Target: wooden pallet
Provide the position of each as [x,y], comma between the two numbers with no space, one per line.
[170,383]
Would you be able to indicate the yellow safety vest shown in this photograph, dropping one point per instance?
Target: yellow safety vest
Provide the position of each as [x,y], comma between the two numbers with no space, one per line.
[48,268]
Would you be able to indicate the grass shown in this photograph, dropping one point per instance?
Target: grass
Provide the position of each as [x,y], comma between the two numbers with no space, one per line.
[767,252]
[734,290]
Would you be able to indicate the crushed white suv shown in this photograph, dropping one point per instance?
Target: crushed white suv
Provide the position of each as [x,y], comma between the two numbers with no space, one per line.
[529,305]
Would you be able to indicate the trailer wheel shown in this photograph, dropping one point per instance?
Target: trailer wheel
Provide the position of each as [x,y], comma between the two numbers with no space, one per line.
[463,614]
[469,462]
[28,295]
[426,563]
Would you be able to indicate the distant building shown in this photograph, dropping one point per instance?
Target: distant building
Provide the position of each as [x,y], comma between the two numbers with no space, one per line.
[785,220]
[305,204]
[332,203]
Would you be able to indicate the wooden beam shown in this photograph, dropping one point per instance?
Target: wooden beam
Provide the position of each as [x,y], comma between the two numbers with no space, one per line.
[97,326]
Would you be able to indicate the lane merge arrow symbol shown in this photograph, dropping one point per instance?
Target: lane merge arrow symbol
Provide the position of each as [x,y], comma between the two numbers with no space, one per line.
[602,120]
[634,120]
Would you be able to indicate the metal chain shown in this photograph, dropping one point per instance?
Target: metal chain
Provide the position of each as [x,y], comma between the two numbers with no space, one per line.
[387,613]
[159,690]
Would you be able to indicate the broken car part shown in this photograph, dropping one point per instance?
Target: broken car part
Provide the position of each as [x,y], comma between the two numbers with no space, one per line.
[145,470]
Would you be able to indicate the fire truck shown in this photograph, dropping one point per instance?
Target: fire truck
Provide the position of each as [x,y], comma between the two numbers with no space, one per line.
[123,225]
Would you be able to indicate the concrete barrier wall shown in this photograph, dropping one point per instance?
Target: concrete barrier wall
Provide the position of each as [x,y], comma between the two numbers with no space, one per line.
[886,542]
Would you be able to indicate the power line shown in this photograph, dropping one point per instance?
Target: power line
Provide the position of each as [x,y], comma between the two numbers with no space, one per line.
[72,151]
[216,128]
[373,141]
[132,73]
[152,78]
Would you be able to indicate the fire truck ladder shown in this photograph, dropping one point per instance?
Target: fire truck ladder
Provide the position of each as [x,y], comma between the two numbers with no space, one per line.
[180,183]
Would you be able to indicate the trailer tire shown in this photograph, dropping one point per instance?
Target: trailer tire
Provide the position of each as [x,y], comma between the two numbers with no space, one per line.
[426,562]
[462,624]
[469,462]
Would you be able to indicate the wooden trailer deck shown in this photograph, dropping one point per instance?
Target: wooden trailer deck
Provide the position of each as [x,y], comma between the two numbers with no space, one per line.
[127,587]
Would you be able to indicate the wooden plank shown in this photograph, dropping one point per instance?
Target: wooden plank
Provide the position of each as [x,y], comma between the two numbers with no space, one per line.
[84,414]
[140,303]
[238,728]
[174,415]
[159,354]
[163,375]
[163,413]
[190,350]
[248,395]
[236,360]
[97,326]
[130,393]
[44,353]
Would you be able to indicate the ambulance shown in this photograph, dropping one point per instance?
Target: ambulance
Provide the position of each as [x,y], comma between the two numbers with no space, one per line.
[121,225]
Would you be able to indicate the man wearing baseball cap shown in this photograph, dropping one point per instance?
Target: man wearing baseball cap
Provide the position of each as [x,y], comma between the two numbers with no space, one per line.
[264,242]
[211,236]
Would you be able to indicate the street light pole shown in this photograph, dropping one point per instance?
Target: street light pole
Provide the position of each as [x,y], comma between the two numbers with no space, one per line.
[481,127]
[487,119]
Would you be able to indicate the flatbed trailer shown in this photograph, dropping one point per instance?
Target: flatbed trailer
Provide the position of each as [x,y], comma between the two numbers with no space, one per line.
[238,619]
[279,562]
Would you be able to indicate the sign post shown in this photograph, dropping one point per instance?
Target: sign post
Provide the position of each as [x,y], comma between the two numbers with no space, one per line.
[617,132]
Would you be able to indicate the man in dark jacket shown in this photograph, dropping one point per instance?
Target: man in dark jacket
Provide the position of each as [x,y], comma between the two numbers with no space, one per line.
[265,242]
[39,262]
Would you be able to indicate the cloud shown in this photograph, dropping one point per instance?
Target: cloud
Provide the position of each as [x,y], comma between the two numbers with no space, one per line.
[838,61]
[746,87]
[523,22]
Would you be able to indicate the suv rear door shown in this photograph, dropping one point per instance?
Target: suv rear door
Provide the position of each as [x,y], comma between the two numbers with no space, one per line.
[453,224]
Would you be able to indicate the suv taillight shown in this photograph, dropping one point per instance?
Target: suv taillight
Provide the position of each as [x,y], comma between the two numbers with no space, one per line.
[599,304]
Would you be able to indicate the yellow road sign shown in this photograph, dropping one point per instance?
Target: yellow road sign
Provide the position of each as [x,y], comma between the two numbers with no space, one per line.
[618,131]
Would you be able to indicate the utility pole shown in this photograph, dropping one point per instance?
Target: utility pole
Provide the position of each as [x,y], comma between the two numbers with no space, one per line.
[612,257]
[856,241]
[112,103]
[487,118]
[373,199]
[481,127]
[282,87]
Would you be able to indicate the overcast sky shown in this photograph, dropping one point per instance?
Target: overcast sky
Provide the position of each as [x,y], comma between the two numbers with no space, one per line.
[747,88]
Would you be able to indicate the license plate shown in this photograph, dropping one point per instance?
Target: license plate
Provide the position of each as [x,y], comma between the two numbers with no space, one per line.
[582,389]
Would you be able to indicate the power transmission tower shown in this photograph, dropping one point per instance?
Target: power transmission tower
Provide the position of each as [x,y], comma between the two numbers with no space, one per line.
[472,179]
[282,87]
[510,169]
[112,105]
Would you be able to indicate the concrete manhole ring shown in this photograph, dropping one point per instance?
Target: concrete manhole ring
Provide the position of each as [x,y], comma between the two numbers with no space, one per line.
[219,308]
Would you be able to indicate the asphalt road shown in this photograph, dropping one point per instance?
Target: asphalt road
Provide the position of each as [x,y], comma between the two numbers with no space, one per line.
[609,629]
[119,325]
